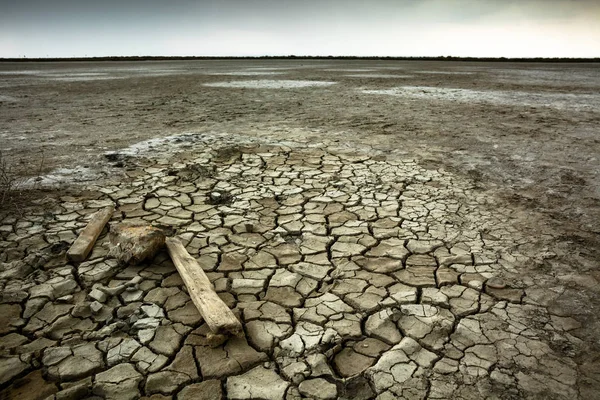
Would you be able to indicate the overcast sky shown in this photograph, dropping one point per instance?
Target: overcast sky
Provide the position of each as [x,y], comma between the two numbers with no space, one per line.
[481,28]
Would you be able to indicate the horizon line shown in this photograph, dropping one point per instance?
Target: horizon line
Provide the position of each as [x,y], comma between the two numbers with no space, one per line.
[305,57]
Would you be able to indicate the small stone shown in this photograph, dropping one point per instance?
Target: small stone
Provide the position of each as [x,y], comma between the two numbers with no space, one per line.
[98,295]
[371,347]
[146,324]
[130,296]
[95,307]
[153,311]
[496,283]
[146,335]
[65,299]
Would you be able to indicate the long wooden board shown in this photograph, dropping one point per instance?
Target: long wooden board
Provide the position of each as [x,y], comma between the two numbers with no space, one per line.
[219,318]
[85,241]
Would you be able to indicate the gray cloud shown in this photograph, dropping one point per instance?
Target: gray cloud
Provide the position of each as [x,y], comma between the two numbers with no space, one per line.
[392,27]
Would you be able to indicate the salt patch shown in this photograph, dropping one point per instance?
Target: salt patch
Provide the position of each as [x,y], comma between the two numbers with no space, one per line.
[72,74]
[555,100]
[270,68]
[84,78]
[58,176]
[8,99]
[246,73]
[22,72]
[379,76]
[444,72]
[270,84]
[349,70]
[146,146]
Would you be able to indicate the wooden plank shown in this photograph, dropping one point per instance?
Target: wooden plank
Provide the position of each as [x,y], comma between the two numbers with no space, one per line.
[219,318]
[85,241]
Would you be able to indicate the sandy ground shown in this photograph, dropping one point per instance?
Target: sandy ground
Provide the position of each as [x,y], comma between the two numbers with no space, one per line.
[521,138]
[530,128]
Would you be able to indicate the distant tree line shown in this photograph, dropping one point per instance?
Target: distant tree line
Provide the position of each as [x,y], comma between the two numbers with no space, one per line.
[294,57]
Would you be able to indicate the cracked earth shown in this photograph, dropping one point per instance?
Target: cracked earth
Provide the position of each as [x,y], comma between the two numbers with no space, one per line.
[382,230]
[355,275]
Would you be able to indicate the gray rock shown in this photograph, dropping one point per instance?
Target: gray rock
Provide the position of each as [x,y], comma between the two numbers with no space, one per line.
[146,324]
[132,296]
[146,335]
[95,307]
[133,243]
[65,299]
[153,311]
[98,295]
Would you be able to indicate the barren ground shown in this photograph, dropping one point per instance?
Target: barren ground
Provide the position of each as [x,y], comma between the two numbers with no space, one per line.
[391,229]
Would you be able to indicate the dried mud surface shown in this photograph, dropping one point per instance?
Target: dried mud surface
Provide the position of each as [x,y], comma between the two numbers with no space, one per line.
[382,229]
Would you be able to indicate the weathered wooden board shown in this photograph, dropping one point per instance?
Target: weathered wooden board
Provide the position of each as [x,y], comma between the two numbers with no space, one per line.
[87,238]
[219,318]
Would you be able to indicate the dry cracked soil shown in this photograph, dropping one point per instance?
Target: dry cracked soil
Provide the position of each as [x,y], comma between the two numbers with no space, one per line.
[383,230]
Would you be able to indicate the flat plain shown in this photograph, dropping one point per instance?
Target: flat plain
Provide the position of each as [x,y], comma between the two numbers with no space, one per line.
[383,229]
